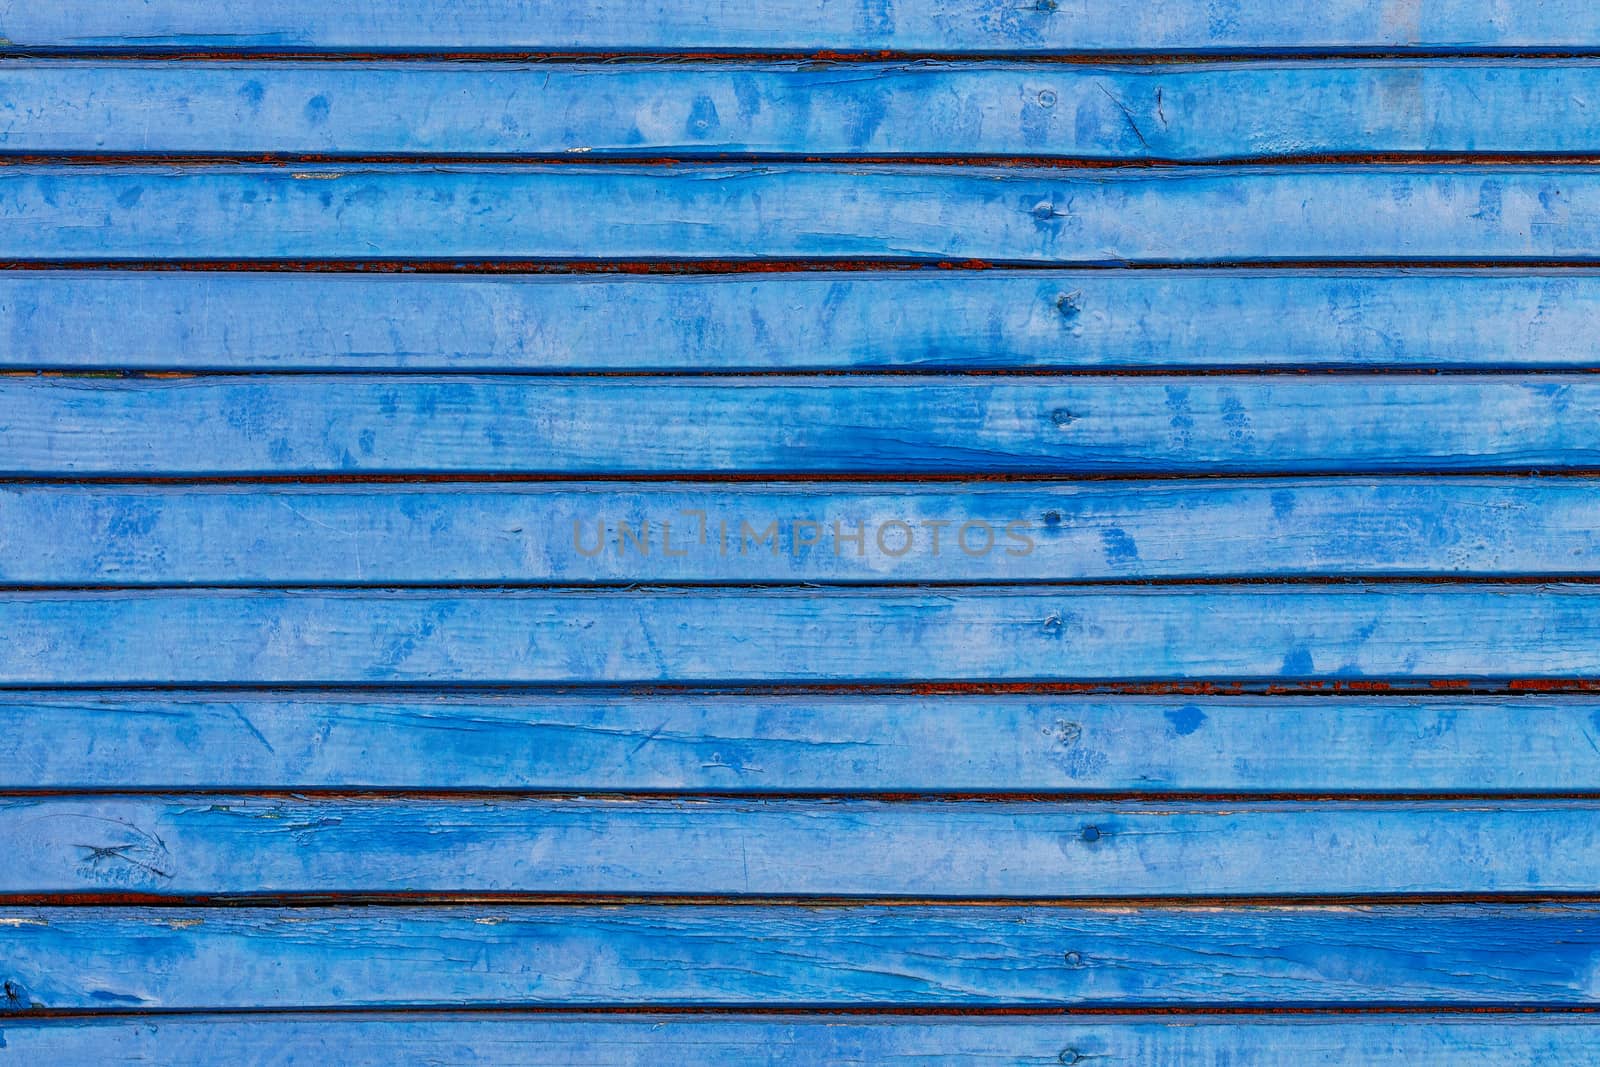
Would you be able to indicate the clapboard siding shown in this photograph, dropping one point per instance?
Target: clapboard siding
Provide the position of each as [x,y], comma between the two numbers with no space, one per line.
[789,744]
[977,320]
[304,424]
[573,532]
[985,26]
[1187,112]
[195,959]
[549,1040]
[239,844]
[1391,632]
[358,703]
[798,211]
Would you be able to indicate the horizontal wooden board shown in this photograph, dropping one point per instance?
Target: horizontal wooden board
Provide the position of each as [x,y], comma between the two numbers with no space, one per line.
[309,424]
[227,844]
[569,532]
[166,959]
[985,26]
[798,211]
[1391,632]
[644,1040]
[788,744]
[1180,112]
[1047,319]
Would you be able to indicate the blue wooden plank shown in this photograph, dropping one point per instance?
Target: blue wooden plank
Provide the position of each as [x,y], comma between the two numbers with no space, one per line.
[644,1040]
[309,424]
[801,321]
[1391,632]
[166,959]
[803,211]
[786,744]
[231,844]
[573,532]
[1180,112]
[984,26]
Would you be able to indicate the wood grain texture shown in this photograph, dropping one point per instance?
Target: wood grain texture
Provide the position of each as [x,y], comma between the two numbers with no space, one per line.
[308,424]
[573,532]
[165,959]
[986,26]
[226,844]
[798,211]
[358,703]
[1183,112]
[556,1040]
[1391,632]
[959,320]
[884,744]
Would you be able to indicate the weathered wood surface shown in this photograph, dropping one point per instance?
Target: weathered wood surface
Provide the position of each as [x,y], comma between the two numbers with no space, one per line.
[1389,632]
[644,1040]
[409,424]
[166,959]
[564,212]
[986,26]
[1050,320]
[381,691]
[1261,110]
[213,844]
[788,744]
[623,533]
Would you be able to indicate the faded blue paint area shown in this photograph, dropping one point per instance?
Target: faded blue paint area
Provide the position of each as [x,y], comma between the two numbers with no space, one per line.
[922,213]
[1399,632]
[1482,319]
[984,26]
[220,843]
[1277,424]
[339,958]
[556,1039]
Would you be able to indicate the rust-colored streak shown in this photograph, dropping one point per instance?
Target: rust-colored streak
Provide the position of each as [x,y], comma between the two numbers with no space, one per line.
[1332,1008]
[824,796]
[100,898]
[1421,687]
[823,57]
[602,157]
[779,477]
[766,265]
